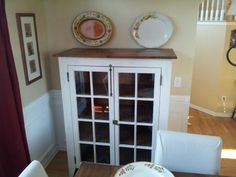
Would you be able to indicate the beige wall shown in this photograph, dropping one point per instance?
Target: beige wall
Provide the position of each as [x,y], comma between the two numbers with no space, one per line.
[206,73]
[183,13]
[54,19]
[227,75]
[38,88]
[213,77]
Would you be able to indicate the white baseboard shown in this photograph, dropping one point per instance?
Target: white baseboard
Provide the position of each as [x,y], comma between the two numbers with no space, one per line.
[48,155]
[212,113]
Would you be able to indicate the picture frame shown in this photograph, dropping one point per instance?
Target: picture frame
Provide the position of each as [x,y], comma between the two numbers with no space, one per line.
[27,31]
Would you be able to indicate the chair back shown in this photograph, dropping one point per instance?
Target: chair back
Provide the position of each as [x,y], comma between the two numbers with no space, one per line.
[185,152]
[34,169]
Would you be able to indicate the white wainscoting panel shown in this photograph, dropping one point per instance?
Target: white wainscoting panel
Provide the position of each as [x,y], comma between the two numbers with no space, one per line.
[40,132]
[57,110]
[178,115]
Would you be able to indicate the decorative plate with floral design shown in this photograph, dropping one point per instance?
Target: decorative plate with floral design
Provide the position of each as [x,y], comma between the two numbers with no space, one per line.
[143,169]
[152,30]
[92,28]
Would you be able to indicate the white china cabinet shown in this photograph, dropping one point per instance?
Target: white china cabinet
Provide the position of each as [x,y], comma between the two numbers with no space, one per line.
[114,102]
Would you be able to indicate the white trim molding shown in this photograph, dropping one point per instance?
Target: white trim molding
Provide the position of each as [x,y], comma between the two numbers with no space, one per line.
[212,113]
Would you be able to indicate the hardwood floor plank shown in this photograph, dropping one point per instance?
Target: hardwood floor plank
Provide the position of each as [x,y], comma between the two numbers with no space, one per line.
[58,166]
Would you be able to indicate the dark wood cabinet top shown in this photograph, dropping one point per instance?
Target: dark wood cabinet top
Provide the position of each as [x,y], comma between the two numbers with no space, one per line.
[119,53]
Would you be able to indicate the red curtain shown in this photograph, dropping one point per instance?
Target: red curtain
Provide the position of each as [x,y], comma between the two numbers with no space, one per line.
[14,154]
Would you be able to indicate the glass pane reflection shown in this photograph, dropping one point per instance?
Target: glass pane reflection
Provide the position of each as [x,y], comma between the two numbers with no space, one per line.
[101,109]
[100,83]
[86,152]
[145,111]
[102,132]
[85,131]
[103,154]
[82,83]
[126,134]
[126,156]
[146,85]
[143,155]
[126,84]
[126,110]
[144,136]
[84,108]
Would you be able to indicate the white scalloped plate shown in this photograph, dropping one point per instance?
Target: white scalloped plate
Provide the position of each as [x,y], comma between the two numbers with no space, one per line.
[152,30]
[143,169]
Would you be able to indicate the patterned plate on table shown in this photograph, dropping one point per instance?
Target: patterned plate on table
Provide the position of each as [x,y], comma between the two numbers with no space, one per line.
[143,169]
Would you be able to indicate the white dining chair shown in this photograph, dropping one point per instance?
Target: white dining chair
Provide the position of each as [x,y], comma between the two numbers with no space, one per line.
[34,169]
[185,152]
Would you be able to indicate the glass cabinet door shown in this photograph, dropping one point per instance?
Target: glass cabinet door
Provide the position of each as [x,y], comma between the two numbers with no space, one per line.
[115,113]
[136,112]
[90,89]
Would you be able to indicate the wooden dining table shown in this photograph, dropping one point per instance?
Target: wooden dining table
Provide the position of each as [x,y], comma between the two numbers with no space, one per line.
[101,170]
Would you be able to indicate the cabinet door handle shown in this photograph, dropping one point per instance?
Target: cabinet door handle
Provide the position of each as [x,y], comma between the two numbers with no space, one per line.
[115,122]
[110,70]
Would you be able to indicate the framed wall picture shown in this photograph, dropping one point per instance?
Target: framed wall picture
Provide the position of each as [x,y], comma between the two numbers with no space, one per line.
[29,46]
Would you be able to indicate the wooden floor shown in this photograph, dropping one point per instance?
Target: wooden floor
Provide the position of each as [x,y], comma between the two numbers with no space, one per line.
[58,166]
[199,123]
[202,123]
